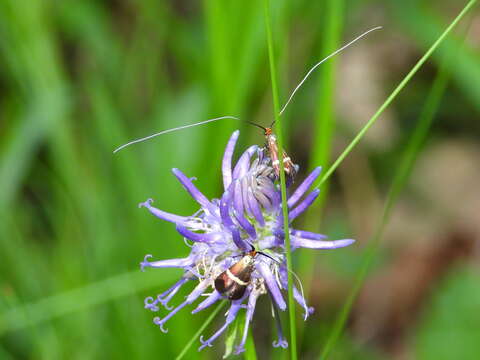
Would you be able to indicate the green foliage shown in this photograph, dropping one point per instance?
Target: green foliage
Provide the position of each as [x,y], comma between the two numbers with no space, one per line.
[79,78]
[449,327]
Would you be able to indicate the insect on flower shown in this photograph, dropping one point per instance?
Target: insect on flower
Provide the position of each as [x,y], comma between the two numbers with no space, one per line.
[272,146]
[233,282]
[248,216]
[237,249]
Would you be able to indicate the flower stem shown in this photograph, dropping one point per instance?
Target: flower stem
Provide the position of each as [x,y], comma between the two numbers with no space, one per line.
[283,188]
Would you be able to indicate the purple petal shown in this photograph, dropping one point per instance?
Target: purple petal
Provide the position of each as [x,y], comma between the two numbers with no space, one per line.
[200,237]
[272,285]
[238,206]
[318,244]
[237,197]
[210,300]
[304,186]
[193,191]
[262,199]
[244,193]
[298,296]
[232,314]
[267,189]
[164,215]
[304,205]
[281,342]
[256,211]
[307,235]
[199,289]
[252,301]
[243,164]
[228,222]
[227,159]
[151,304]
[169,297]
[268,242]
[180,263]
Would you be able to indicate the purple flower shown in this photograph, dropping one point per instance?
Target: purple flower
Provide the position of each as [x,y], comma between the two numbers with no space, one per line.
[248,215]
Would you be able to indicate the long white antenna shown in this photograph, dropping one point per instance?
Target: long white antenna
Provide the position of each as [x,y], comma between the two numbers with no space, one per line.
[322,61]
[172,130]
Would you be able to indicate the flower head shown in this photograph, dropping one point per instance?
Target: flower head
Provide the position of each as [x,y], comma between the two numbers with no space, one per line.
[243,228]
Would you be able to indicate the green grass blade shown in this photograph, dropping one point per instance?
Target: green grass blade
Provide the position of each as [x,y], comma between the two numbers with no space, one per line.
[278,122]
[324,121]
[202,328]
[408,160]
[79,299]
[395,92]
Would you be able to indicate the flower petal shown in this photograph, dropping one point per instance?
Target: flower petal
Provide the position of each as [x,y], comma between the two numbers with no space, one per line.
[227,159]
[232,314]
[307,235]
[297,295]
[164,215]
[193,191]
[200,237]
[210,300]
[239,210]
[181,263]
[256,211]
[252,301]
[304,205]
[228,222]
[199,289]
[318,244]
[272,285]
[243,164]
[304,186]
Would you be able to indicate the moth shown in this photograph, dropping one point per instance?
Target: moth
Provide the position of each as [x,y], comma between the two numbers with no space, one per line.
[272,147]
[233,282]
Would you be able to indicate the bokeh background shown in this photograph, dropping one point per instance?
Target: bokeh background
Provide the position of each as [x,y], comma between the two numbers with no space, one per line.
[79,78]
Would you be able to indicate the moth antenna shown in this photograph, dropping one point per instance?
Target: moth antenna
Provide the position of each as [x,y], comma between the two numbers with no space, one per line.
[255,124]
[268,256]
[322,61]
[172,130]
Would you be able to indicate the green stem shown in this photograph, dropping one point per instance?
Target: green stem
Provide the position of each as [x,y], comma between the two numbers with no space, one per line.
[283,188]
[202,328]
[408,159]
[395,92]
[324,127]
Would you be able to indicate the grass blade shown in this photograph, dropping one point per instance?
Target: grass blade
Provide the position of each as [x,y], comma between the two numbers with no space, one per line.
[395,92]
[202,328]
[79,299]
[408,159]
[276,109]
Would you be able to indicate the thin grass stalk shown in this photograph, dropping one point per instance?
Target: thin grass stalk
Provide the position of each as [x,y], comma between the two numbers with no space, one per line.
[283,188]
[395,92]
[409,156]
[96,293]
[324,126]
[201,329]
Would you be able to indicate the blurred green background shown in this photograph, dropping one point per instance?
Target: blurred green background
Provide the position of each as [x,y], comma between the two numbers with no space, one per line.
[79,78]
